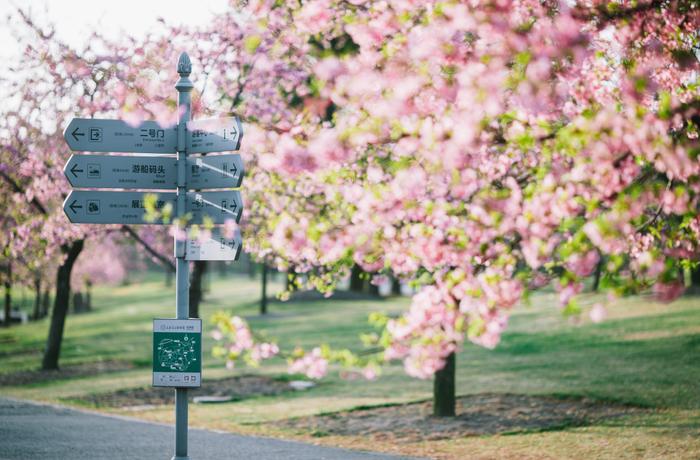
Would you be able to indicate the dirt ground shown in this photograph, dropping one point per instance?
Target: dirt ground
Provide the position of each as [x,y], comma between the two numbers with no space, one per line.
[237,388]
[483,414]
[65,372]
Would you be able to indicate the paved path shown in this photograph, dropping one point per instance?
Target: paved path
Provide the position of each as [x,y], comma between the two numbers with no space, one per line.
[32,431]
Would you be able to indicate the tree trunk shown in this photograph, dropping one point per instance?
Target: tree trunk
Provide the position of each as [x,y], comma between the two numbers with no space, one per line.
[290,280]
[444,389]
[597,274]
[263,296]
[395,286]
[88,295]
[356,281]
[37,298]
[695,276]
[60,306]
[8,294]
[78,303]
[196,290]
[45,303]
[251,268]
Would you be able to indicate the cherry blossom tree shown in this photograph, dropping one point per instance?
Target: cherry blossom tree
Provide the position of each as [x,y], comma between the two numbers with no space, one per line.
[479,149]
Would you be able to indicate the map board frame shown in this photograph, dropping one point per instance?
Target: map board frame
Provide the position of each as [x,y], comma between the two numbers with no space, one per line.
[176,362]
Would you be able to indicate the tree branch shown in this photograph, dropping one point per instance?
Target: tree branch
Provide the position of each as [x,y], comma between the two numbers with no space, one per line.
[17,189]
[167,263]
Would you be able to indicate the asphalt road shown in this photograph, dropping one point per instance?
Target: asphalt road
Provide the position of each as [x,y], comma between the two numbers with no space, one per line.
[33,431]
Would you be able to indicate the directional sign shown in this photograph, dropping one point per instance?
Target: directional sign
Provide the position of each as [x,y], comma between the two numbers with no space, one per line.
[103,207]
[106,171]
[214,135]
[217,247]
[177,352]
[99,207]
[221,171]
[218,207]
[93,135]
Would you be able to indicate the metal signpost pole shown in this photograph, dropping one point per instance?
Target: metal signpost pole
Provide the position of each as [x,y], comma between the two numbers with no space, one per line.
[177,343]
[184,87]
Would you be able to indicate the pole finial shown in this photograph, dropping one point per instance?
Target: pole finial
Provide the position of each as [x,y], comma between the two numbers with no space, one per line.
[184,65]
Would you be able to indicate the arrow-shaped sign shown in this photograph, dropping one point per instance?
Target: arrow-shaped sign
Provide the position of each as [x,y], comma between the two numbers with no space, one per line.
[94,135]
[214,135]
[102,207]
[219,171]
[216,247]
[130,172]
[110,207]
[217,207]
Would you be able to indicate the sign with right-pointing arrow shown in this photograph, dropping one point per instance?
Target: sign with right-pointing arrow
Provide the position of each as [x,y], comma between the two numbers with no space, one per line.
[108,207]
[215,247]
[214,135]
[220,171]
[94,135]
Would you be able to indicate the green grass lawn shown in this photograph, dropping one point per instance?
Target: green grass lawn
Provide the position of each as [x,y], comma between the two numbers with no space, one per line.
[644,354]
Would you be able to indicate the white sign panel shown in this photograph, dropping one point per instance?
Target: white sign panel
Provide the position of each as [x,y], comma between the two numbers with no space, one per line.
[94,135]
[216,247]
[108,207]
[214,135]
[108,171]
[103,207]
[218,207]
[220,171]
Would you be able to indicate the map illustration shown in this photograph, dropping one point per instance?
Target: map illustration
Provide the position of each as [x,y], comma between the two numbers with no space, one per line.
[177,354]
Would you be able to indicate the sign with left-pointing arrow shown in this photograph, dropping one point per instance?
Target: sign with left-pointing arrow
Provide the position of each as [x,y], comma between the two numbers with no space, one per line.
[108,171]
[93,135]
[111,207]
[102,207]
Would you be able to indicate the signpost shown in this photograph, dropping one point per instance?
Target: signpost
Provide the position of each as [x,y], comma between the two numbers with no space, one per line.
[177,343]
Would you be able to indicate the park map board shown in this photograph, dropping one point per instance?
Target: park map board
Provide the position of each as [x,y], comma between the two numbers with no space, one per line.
[177,352]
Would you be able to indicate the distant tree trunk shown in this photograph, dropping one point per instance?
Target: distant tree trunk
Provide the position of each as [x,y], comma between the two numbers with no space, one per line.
[356,281]
[251,268]
[37,298]
[88,295]
[60,306]
[695,278]
[78,302]
[45,303]
[444,389]
[395,286]
[263,296]
[8,294]
[196,290]
[290,280]
[596,275]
